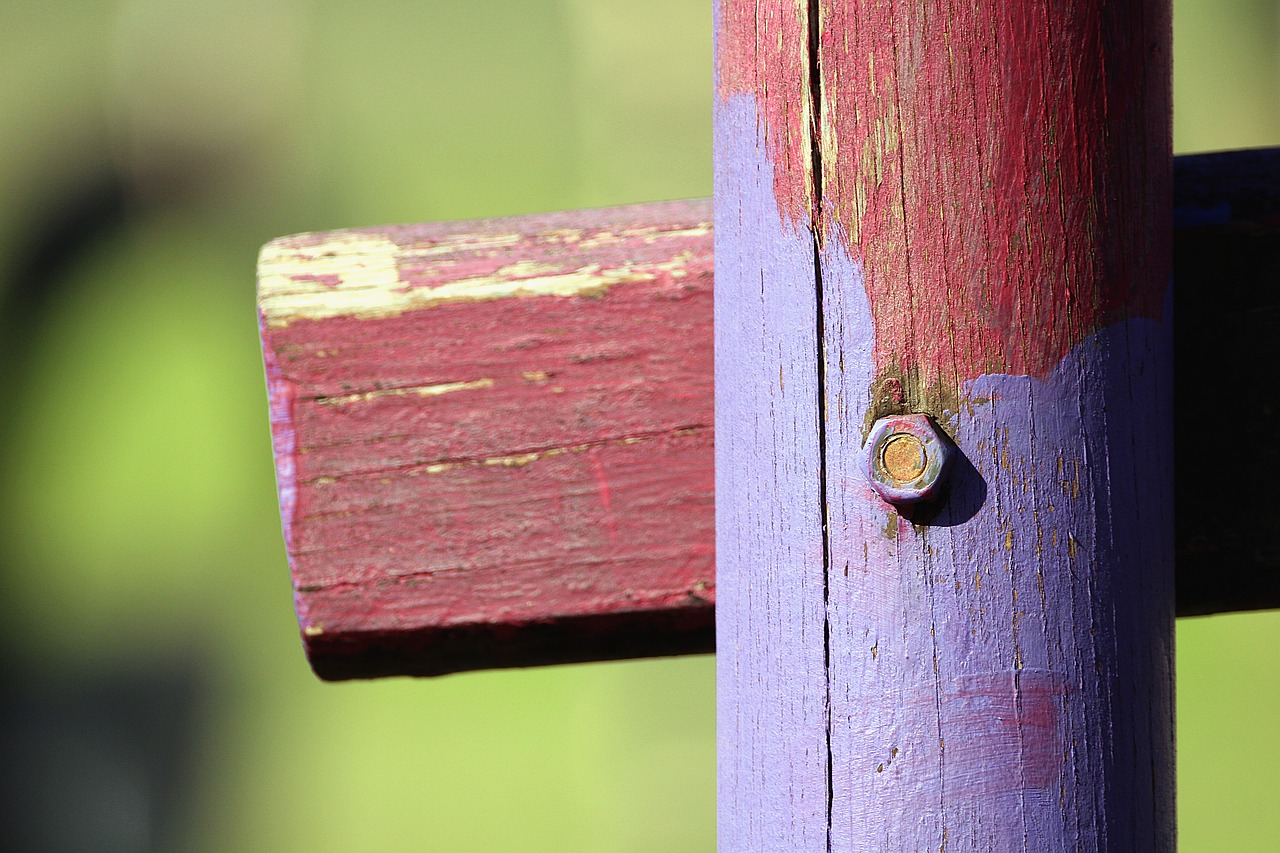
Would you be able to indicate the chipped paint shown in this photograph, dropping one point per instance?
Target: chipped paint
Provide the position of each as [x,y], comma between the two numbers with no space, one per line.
[372,275]
[520,460]
[414,391]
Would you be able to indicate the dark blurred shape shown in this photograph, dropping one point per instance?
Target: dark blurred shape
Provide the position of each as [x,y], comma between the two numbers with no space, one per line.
[84,216]
[98,763]
[89,761]
[1227,322]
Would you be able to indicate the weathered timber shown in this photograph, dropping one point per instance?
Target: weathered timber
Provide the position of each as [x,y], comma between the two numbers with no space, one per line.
[959,210]
[1226,248]
[476,426]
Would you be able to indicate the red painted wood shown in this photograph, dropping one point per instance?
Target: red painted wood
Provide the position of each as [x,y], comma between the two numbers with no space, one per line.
[959,210]
[474,426]
[364,542]
[965,186]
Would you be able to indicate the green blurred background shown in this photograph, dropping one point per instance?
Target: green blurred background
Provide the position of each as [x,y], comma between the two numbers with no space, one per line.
[154,695]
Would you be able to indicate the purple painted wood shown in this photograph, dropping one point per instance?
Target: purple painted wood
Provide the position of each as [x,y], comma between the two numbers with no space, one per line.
[961,211]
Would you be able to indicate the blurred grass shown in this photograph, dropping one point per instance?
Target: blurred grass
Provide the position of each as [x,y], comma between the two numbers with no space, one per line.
[138,526]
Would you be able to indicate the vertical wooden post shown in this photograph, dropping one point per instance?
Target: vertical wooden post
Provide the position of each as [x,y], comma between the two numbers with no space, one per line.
[960,210]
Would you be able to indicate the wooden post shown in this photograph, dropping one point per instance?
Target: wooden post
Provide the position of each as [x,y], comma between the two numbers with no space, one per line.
[961,210]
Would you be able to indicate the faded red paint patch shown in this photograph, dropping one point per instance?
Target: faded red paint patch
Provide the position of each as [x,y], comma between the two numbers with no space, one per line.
[1000,170]
[325,279]
[1005,731]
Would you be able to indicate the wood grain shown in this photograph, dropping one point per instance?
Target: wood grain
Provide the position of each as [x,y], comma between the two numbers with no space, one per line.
[475,425]
[960,210]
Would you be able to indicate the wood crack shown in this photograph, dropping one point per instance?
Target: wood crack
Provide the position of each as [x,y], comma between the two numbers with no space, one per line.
[514,459]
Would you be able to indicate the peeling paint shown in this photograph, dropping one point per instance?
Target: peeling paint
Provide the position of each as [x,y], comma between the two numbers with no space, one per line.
[415,391]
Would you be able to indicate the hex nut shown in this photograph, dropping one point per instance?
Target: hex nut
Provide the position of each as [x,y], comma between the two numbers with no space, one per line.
[907,458]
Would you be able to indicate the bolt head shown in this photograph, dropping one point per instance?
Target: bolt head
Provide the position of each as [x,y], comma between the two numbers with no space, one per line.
[907,458]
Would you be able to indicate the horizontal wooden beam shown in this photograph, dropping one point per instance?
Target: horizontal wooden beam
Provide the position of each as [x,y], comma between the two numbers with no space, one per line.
[1226,265]
[493,439]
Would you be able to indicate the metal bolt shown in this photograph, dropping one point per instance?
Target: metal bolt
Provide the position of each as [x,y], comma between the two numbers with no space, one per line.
[907,458]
